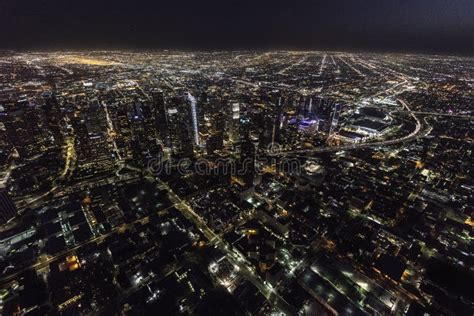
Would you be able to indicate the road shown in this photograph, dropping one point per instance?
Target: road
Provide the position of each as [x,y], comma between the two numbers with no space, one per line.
[185,209]
[233,256]
[111,131]
[413,135]
[97,239]
[291,66]
[321,67]
[455,115]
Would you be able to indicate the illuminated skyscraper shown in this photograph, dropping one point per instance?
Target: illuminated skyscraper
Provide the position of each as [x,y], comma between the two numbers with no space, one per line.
[276,130]
[234,123]
[334,118]
[247,154]
[92,146]
[53,116]
[194,118]
[144,138]
[7,207]
[26,128]
[180,127]
[161,116]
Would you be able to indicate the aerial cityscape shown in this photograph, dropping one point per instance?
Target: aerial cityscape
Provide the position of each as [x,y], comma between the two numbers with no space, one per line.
[236,182]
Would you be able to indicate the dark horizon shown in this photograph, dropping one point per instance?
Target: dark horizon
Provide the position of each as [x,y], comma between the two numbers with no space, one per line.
[432,27]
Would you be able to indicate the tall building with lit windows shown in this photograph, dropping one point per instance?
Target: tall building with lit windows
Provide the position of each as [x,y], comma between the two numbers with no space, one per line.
[180,127]
[26,128]
[234,123]
[53,116]
[7,207]
[194,124]
[161,116]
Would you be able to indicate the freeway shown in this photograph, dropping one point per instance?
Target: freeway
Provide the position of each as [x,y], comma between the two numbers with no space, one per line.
[413,135]
[321,67]
[357,71]
[55,191]
[455,115]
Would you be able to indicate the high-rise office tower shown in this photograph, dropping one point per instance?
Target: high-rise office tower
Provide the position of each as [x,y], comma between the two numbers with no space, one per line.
[247,161]
[194,118]
[216,128]
[26,128]
[234,123]
[334,118]
[144,142]
[5,148]
[161,116]
[53,116]
[266,121]
[276,130]
[124,132]
[180,127]
[7,207]
[247,151]
[93,149]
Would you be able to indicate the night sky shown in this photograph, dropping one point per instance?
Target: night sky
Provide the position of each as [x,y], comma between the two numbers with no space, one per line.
[435,26]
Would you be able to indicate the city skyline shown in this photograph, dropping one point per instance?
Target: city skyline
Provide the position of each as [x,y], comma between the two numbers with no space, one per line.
[240,183]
